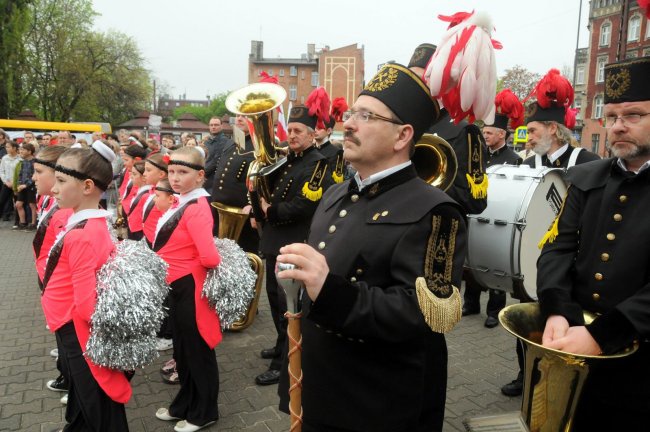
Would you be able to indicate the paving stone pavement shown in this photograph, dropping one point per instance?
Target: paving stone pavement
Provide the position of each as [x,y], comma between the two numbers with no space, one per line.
[480,361]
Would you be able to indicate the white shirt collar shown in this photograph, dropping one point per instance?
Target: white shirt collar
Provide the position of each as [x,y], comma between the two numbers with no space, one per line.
[557,153]
[379,175]
[621,163]
[84,215]
[497,149]
[182,200]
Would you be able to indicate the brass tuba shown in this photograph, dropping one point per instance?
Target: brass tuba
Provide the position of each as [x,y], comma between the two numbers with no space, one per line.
[231,223]
[435,161]
[553,379]
[257,102]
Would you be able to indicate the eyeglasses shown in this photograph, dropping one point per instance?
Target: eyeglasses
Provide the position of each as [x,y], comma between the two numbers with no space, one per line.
[367,115]
[627,119]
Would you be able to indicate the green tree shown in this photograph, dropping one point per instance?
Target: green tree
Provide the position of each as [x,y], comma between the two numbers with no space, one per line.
[217,108]
[518,79]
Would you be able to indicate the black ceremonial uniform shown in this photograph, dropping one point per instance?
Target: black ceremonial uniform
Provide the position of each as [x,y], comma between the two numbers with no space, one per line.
[335,160]
[563,160]
[229,187]
[288,220]
[503,156]
[599,262]
[471,153]
[370,361]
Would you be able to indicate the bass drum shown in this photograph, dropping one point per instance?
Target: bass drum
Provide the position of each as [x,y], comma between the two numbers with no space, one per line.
[522,204]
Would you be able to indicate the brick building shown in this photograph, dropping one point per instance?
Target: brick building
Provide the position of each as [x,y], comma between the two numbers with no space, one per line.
[340,71]
[166,104]
[618,30]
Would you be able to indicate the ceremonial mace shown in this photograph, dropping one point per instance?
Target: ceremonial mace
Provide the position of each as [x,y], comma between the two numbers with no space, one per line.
[292,289]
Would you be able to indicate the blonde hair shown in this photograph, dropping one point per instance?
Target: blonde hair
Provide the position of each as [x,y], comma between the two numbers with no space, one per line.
[194,155]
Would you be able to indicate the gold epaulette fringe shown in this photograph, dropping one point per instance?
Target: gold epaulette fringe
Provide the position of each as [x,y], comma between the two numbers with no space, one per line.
[312,195]
[478,190]
[441,314]
[551,234]
[338,178]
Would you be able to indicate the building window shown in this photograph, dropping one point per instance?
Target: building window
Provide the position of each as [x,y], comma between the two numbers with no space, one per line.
[595,143]
[634,28]
[281,72]
[302,100]
[577,104]
[647,28]
[293,92]
[598,107]
[293,71]
[302,74]
[259,72]
[600,69]
[580,75]
[632,54]
[605,34]
[270,72]
[314,79]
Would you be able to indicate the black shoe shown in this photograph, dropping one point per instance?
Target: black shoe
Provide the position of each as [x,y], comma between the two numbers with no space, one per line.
[269,353]
[491,322]
[7,218]
[515,387]
[269,377]
[468,311]
[58,384]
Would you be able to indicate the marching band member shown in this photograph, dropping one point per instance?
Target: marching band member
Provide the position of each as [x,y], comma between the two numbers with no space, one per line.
[296,192]
[130,155]
[97,395]
[599,261]
[136,204]
[184,240]
[334,154]
[383,260]
[155,170]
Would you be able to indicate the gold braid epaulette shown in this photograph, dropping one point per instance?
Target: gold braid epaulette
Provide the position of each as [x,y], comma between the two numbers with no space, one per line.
[438,298]
[553,230]
[476,178]
[312,190]
[337,174]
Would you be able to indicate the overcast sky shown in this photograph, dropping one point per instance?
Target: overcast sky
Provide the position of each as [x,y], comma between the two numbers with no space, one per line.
[201,47]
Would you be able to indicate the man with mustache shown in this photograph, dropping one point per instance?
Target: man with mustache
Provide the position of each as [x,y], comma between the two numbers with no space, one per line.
[599,260]
[381,269]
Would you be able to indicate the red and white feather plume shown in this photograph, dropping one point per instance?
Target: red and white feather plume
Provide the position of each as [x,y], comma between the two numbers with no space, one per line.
[645,5]
[266,78]
[462,72]
[339,106]
[508,104]
[318,103]
[554,90]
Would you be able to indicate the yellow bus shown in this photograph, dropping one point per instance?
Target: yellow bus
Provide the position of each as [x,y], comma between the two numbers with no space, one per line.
[46,126]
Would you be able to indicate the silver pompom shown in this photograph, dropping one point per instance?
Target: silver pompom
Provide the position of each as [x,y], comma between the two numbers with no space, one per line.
[131,288]
[230,287]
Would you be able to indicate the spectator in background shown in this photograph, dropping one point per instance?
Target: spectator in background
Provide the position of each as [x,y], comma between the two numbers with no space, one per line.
[154,146]
[168,142]
[46,139]
[7,169]
[215,144]
[4,139]
[65,139]
[184,137]
[24,188]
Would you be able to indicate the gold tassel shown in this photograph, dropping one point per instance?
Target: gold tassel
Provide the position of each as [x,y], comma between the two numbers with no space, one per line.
[338,178]
[478,190]
[551,234]
[441,314]
[311,194]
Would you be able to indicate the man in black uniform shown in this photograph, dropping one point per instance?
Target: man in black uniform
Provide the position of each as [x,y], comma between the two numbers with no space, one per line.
[381,267]
[334,154]
[229,186]
[599,260]
[296,191]
[468,144]
[498,153]
[215,145]
[550,135]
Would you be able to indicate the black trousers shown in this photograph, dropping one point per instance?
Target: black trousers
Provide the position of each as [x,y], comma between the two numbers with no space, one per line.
[6,200]
[136,235]
[89,407]
[472,296]
[278,303]
[196,363]
[165,330]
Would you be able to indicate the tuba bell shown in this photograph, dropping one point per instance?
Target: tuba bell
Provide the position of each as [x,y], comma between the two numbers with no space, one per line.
[553,380]
[435,161]
[231,223]
[257,102]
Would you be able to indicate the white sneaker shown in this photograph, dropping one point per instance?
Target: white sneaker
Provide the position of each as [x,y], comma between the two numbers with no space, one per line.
[164,344]
[64,399]
[185,426]
[163,414]
[54,353]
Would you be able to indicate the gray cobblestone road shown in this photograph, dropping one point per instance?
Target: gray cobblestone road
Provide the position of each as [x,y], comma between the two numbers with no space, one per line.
[480,361]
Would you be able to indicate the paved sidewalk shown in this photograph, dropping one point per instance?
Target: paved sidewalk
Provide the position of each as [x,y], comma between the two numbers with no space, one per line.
[480,361]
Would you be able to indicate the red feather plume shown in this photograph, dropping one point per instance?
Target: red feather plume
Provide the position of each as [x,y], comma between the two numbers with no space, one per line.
[456,18]
[645,5]
[266,78]
[554,90]
[318,103]
[508,104]
[339,106]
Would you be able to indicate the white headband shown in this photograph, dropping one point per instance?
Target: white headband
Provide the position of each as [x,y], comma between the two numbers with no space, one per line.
[104,151]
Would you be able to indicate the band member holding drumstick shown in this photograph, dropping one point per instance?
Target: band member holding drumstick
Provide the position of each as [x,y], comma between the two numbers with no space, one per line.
[598,260]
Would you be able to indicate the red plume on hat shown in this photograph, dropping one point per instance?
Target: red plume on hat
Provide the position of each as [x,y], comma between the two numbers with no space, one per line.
[266,78]
[508,104]
[645,5]
[318,103]
[339,106]
[554,90]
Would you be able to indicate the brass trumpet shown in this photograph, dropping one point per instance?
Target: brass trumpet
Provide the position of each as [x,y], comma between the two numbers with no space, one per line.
[435,161]
[231,223]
